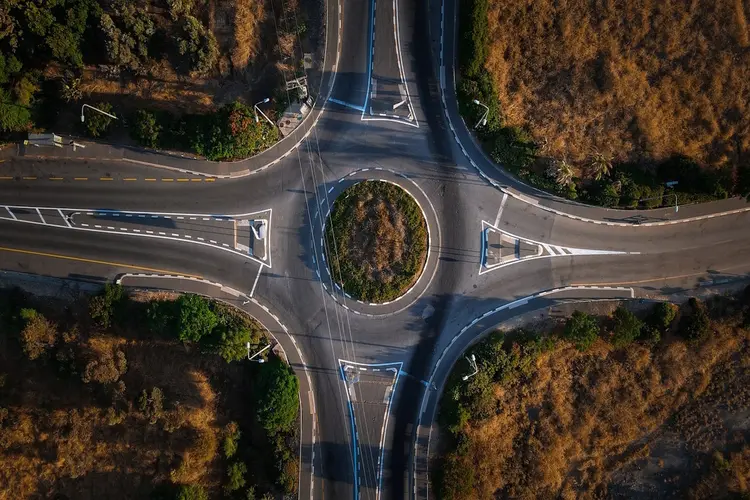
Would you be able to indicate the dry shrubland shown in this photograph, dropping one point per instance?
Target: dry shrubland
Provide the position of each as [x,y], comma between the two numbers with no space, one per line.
[636,80]
[671,419]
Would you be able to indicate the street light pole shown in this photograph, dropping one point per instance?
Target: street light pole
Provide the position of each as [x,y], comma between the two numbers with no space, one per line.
[483,120]
[250,358]
[95,109]
[258,110]
[473,362]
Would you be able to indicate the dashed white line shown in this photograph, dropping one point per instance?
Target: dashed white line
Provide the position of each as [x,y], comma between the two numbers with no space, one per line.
[41,216]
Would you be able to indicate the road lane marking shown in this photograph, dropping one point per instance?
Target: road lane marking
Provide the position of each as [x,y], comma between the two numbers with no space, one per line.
[210,179]
[64,217]
[196,180]
[6,178]
[29,178]
[500,210]
[150,179]
[41,216]
[11,213]
[93,261]
[130,179]
[80,178]
[56,178]
[106,179]
[182,179]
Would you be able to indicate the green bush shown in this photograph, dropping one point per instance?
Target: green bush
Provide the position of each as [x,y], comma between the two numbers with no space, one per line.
[695,322]
[102,307]
[192,492]
[196,319]
[455,477]
[626,327]
[146,129]
[97,124]
[14,117]
[231,439]
[38,333]
[235,477]
[582,330]
[662,315]
[278,396]
[513,148]
[152,405]
[232,344]
[161,317]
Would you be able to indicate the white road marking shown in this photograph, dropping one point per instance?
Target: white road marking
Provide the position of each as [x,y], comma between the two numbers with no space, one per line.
[41,216]
[61,215]
[500,210]
[11,213]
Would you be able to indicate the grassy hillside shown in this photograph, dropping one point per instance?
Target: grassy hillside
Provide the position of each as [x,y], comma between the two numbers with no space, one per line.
[605,101]
[605,407]
[100,398]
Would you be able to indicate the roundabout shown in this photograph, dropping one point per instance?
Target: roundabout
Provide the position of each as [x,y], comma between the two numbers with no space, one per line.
[376,241]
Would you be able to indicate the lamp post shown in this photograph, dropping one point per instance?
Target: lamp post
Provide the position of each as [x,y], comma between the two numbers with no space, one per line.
[483,120]
[258,110]
[473,362]
[670,184]
[250,358]
[95,109]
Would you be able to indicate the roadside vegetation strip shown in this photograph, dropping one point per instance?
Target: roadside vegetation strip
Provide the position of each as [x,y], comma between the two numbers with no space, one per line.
[375,241]
[615,363]
[610,166]
[157,373]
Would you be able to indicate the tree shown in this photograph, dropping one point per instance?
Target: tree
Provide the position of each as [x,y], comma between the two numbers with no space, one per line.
[105,368]
[695,324]
[196,319]
[236,477]
[102,306]
[561,171]
[152,405]
[582,329]
[198,44]
[38,334]
[232,343]
[600,165]
[278,396]
[146,129]
[192,492]
[97,124]
[626,327]
[14,117]
[662,315]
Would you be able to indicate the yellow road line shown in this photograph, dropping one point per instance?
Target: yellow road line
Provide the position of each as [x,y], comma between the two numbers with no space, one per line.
[80,178]
[130,179]
[210,179]
[182,179]
[55,178]
[93,261]
[150,179]
[196,180]
[167,179]
[29,178]
[7,178]
[106,179]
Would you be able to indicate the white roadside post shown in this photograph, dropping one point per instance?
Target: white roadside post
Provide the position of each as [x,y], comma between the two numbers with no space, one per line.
[483,120]
[473,362]
[250,358]
[83,119]
[258,110]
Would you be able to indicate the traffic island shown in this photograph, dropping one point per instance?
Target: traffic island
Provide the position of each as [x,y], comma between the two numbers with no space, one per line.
[375,241]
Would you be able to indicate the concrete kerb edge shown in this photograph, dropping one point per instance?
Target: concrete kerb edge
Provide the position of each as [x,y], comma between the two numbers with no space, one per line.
[508,305]
[526,199]
[119,279]
[427,258]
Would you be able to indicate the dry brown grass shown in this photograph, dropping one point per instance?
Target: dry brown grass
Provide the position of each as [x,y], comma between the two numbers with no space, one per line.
[89,440]
[585,424]
[248,15]
[379,242]
[640,79]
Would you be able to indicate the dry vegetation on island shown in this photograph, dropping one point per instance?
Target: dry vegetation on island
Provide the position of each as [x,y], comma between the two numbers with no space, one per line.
[140,397]
[639,92]
[611,407]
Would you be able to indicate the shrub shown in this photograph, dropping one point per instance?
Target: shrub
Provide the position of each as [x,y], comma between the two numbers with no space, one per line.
[278,396]
[196,319]
[231,439]
[232,344]
[146,130]
[582,330]
[106,368]
[288,476]
[626,327]
[152,405]
[102,307]
[192,492]
[235,477]
[694,324]
[38,334]
[97,124]
[161,317]
[14,117]
[455,477]
[662,315]
[513,148]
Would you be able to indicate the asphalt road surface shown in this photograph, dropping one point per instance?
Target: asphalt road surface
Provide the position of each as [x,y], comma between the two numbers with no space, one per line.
[360,427]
